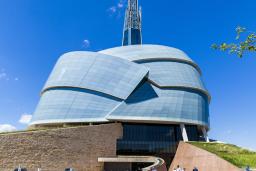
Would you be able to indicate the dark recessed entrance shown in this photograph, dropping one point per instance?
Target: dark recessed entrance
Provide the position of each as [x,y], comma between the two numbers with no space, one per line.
[125,166]
[153,140]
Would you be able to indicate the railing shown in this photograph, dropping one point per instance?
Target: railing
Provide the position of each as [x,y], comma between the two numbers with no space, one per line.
[159,165]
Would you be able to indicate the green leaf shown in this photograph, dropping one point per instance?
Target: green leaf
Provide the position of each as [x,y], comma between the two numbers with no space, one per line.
[252,48]
[223,46]
[214,46]
[239,48]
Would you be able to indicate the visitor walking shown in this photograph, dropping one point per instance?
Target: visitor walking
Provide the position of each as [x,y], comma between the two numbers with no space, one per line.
[247,168]
[195,169]
[178,168]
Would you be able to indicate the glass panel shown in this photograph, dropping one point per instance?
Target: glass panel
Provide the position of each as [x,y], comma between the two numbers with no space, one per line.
[154,139]
[149,139]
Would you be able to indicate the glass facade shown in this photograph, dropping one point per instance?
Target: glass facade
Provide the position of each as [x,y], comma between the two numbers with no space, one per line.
[132,24]
[98,72]
[168,73]
[73,105]
[146,52]
[133,39]
[194,134]
[137,83]
[152,139]
[126,37]
[150,103]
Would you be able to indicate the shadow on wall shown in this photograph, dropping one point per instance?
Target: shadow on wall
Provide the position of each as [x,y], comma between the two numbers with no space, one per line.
[143,92]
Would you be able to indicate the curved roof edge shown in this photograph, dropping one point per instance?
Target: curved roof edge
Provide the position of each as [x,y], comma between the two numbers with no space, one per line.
[63,121]
[205,92]
[172,60]
[156,120]
[81,88]
[141,52]
[83,66]
[79,51]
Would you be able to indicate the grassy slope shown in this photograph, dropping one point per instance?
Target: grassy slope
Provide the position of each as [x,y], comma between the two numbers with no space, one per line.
[234,154]
[40,129]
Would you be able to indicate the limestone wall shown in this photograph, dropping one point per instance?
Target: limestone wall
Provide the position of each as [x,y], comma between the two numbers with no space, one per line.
[54,150]
[189,156]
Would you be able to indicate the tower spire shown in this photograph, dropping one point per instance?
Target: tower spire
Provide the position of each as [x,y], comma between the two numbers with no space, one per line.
[132,24]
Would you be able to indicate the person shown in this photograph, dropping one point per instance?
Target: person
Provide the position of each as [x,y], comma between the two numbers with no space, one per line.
[247,168]
[178,168]
[154,169]
[174,169]
[195,169]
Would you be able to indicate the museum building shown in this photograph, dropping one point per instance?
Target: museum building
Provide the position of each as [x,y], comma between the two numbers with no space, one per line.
[155,92]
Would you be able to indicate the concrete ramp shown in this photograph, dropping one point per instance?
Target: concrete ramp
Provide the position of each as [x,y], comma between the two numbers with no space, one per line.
[189,156]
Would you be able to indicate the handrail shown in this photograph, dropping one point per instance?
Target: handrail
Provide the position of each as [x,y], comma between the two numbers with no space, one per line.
[158,163]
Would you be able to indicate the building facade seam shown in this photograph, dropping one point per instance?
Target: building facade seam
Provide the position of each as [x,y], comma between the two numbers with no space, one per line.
[81,88]
[205,92]
[156,120]
[145,60]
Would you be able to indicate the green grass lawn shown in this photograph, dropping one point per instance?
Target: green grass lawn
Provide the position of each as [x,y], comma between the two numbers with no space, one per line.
[40,129]
[234,154]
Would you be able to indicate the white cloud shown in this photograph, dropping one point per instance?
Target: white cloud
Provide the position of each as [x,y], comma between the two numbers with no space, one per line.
[112,9]
[25,118]
[86,43]
[120,5]
[3,75]
[117,7]
[7,128]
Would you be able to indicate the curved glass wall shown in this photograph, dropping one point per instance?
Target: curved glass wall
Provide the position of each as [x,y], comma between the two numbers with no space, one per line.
[140,52]
[149,103]
[102,73]
[140,83]
[168,73]
[70,105]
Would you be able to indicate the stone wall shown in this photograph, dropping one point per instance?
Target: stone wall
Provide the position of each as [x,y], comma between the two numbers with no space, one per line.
[54,150]
[189,156]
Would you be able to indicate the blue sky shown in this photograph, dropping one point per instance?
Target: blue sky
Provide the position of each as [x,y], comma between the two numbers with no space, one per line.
[34,33]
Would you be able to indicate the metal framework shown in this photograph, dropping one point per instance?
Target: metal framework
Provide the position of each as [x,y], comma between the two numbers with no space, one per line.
[132,24]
